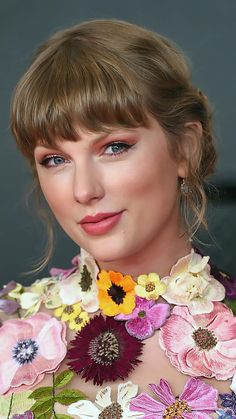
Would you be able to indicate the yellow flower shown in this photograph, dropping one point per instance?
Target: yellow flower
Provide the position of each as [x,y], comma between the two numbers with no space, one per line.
[73,315]
[150,286]
[115,293]
[79,321]
[68,312]
[16,292]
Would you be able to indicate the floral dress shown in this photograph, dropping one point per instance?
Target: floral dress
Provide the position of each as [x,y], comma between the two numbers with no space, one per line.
[85,343]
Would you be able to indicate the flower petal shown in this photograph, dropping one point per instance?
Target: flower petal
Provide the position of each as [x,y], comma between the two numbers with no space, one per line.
[164,392]
[28,299]
[70,291]
[103,397]
[146,404]
[141,328]
[8,306]
[126,392]
[224,326]
[140,291]
[194,360]
[104,281]
[222,367]
[127,283]
[233,384]
[200,306]
[128,304]
[199,395]
[51,343]
[84,409]
[158,315]
[8,370]
[7,288]
[170,338]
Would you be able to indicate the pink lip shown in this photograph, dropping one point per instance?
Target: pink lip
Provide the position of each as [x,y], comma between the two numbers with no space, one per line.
[101,223]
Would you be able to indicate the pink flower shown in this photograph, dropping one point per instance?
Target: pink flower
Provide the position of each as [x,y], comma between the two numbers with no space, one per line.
[206,345]
[145,318]
[29,349]
[196,401]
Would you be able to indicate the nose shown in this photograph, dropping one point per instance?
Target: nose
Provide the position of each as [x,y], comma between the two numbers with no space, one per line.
[87,185]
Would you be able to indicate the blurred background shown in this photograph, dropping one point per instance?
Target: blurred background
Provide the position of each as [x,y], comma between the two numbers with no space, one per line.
[205,30]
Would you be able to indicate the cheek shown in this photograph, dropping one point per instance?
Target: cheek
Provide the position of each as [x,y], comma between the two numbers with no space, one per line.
[145,179]
[55,192]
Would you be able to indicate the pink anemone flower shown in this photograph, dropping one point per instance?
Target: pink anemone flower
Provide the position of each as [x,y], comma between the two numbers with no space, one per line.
[197,401]
[29,349]
[206,345]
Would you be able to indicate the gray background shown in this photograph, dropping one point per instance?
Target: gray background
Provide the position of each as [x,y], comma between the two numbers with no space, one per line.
[206,32]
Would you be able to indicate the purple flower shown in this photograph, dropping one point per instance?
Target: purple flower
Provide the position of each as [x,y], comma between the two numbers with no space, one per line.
[225,414]
[103,351]
[197,400]
[145,318]
[229,282]
[27,415]
[8,306]
[228,400]
[65,273]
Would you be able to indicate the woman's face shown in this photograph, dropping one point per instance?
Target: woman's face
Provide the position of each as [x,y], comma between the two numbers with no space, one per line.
[125,180]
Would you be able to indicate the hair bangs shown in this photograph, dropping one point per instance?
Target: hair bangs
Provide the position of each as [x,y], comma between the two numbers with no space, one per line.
[59,95]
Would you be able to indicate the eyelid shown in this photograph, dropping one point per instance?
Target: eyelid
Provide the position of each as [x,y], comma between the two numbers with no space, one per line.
[44,161]
[121,143]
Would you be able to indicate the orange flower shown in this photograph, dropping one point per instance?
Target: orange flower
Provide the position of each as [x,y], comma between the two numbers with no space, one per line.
[115,293]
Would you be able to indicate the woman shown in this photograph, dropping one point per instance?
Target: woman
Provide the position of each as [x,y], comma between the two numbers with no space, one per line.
[120,142]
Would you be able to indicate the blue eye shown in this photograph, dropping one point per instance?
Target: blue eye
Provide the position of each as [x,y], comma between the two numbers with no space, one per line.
[52,161]
[117,148]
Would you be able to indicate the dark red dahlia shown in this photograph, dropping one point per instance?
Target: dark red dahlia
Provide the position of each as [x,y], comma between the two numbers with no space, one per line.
[104,351]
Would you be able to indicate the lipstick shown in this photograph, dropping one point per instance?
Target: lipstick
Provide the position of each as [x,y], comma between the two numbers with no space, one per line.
[101,223]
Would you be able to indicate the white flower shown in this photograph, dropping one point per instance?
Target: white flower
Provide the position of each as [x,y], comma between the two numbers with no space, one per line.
[81,286]
[233,385]
[44,291]
[85,409]
[190,283]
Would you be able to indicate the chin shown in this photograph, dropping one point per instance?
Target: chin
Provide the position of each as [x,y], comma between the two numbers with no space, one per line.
[106,251]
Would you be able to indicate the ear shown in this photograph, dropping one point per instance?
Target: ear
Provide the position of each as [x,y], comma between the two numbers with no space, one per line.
[189,147]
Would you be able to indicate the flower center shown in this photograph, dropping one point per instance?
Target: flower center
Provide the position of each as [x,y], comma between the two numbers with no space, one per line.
[176,409]
[204,338]
[142,313]
[86,279]
[113,411]
[150,287]
[117,293]
[25,351]
[68,310]
[78,320]
[104,349]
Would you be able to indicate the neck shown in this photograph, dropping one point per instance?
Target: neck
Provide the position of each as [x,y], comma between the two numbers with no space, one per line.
[158,257]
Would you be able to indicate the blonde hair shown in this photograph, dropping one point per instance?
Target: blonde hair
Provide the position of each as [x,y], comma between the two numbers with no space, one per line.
[106,73]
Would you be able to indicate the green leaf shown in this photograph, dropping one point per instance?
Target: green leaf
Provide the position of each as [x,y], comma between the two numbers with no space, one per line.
[63,378]
[231,304]
[41,392]
[67,397]
[43,406]
[46,415]
[60,416]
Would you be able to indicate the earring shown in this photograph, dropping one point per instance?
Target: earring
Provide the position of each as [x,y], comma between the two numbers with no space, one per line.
[184,187]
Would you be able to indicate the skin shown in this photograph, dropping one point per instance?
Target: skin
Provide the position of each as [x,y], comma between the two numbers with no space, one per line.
[87,178]
[95,174]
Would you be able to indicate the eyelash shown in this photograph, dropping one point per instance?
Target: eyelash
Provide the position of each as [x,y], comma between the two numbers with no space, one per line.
[124,149]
